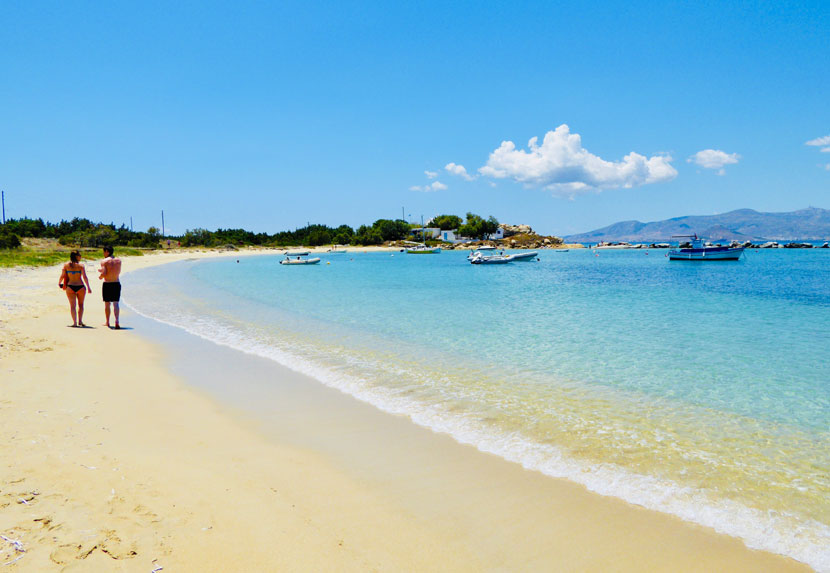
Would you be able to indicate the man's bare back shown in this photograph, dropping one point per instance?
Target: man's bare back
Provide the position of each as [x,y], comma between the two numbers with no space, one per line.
[110,270]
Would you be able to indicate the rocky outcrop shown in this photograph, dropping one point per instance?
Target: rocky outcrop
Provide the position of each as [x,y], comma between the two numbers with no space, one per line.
[511,230]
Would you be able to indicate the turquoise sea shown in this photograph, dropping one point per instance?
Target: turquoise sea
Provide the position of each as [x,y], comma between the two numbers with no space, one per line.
[696,389]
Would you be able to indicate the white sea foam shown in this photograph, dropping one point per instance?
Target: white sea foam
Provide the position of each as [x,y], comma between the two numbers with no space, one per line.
[786,534]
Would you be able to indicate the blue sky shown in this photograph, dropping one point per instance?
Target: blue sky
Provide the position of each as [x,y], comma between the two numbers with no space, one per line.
[270,115]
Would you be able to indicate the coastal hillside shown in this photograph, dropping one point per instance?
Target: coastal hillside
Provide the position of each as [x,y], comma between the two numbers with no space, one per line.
[811,224]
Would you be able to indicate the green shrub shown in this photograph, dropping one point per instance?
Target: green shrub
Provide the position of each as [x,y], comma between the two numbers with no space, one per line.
[9,240]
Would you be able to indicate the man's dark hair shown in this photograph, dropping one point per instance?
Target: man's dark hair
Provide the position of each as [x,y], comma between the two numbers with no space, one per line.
[108,249]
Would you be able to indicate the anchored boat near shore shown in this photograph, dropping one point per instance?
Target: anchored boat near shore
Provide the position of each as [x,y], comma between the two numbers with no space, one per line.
[299,258]
[700,251]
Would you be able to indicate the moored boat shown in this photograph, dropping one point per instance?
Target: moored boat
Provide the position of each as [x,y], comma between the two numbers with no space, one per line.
[483,250]
[299,258]
[518,257]
[698,250]
[423,250]
[481,259]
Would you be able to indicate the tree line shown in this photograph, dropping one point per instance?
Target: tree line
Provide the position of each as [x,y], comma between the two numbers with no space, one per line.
[85,233]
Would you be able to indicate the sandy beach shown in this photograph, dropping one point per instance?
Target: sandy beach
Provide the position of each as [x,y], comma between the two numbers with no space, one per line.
[113,462]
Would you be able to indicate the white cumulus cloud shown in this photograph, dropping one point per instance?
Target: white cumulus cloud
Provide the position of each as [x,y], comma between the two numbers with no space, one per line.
[714,159]
[820,142]
[434,186]
[431,174]
[459,170]
[562,165]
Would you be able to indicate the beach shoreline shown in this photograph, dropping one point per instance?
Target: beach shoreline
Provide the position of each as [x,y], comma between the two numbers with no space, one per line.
[143,469]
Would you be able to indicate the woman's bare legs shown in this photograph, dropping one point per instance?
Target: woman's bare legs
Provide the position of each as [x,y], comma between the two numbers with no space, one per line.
[72,296]
[81,294]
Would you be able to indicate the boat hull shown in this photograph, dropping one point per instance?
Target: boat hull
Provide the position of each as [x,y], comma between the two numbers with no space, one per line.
[493,260]
[519,257]
[707,254]
[313,261]
[434,251]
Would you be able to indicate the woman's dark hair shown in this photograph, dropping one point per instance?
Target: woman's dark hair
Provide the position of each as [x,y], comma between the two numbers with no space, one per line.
[108,249]
[75,256]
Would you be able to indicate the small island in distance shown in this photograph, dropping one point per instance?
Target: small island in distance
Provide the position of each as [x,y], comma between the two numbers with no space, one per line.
[811,224]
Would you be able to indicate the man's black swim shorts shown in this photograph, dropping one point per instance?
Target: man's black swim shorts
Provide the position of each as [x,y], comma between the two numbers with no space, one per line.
[111,292]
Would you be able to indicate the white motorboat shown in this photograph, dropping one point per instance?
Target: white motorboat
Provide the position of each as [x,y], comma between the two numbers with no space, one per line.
[299,258]
[422,250]
[482,259]
[484,250]
[518,257]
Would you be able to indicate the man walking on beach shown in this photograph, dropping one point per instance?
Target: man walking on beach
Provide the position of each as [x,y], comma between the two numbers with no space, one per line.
[110,271]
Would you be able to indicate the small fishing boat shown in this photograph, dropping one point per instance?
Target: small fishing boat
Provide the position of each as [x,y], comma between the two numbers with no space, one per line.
[518,257]
[299,258]
[335,251]
[698,250]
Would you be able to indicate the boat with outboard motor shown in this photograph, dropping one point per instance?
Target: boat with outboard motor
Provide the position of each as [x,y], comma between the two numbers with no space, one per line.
[698,250]
[299,258]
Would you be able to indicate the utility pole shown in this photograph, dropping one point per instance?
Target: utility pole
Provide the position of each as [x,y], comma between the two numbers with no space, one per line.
[131,224]
[3,193]
[162,223]
[403,218]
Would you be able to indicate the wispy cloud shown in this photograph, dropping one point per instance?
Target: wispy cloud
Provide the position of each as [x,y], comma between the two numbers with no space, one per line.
[434,186]
[823,142]
[460,170]
[431,174]
[714,159]
[562,165]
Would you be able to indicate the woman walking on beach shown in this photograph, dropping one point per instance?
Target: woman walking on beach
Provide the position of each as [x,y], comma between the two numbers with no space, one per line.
[73,277]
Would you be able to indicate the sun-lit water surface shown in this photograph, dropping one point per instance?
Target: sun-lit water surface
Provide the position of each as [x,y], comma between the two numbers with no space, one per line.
[699,389]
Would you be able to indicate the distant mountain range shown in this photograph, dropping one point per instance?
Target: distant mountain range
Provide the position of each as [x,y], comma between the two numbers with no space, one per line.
[812,224]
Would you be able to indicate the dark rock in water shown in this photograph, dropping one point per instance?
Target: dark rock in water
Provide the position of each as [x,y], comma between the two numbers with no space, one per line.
[826,245]
[798,246]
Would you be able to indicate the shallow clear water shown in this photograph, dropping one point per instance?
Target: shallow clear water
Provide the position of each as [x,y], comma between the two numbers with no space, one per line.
[698,389]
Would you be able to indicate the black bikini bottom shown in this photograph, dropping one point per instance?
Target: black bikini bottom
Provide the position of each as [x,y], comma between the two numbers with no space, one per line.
[76,288]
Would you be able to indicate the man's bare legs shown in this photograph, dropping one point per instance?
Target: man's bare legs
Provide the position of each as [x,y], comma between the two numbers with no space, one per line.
[117,312]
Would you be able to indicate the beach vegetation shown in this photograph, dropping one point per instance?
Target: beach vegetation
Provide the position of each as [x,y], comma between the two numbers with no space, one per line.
[367,236]
[9,240]
[445,222]
[390,230]
[80,232]
[477,227]
[319,237]
[46,252]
